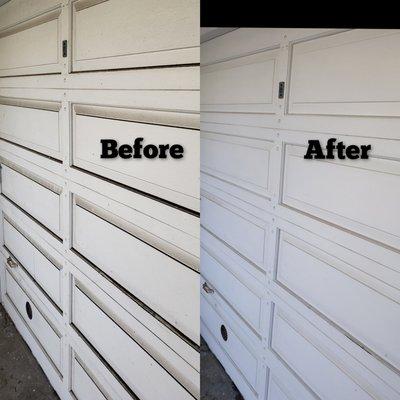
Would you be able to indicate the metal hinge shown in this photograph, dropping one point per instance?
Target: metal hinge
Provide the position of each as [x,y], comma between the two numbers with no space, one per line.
[64,48]
[281,91]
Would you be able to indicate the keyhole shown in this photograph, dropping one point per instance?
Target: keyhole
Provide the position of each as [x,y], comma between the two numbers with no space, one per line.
[28,310]
[224,333]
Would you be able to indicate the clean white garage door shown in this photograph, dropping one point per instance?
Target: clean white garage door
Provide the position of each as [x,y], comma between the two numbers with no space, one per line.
[100,257]
[301,259]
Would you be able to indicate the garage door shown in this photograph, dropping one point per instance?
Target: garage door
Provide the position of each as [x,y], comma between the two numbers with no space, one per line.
[100,257]
[300,258]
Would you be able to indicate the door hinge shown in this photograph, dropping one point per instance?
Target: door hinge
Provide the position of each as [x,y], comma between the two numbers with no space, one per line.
[64,48]
[281,91]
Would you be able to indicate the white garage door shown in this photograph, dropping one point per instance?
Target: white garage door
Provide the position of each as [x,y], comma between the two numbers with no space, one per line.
[99,257]
[301,258]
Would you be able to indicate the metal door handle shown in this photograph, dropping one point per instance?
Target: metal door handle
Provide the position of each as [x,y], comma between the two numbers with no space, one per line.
[11,263]
[207,288]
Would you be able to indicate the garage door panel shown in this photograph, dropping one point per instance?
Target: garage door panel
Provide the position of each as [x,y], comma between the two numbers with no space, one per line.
[231,257]
[83,385]
[31,47]
[244,84]
[245,234]
[165,227]
[276,392]
[331,189]
[283,385]
[91,378]
[331,282]
[35,195]
[15,12]
[243,357]
[104,31]
[241,162]
[45,269]
[38,322]
[127,357]
[172,179]
[32,124]
[244,299]
[232,369]
[302,347]
[349,73]
[138,263]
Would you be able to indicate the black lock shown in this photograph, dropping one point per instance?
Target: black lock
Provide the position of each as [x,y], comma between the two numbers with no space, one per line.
[281,90]
[64,48]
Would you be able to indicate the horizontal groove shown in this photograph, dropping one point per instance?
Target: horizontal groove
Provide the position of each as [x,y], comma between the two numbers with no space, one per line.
[28,75]
[242,256]
[141,192]
[208,36]
[80,5]
[105,363]
[89,374]
[32,218]
[37,284]
[340,227]
[81,287]
[161,66]
[33,242]
[31,150]
[147,116]
[138,302]
[144,236]
[33,177]
[338,327]
[240,55]
[31,103]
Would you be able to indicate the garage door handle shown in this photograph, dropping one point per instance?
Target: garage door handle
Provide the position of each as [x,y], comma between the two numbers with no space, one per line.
[11,263]
[207,288]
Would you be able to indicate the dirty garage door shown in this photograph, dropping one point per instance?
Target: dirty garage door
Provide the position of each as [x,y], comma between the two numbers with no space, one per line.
[99,257]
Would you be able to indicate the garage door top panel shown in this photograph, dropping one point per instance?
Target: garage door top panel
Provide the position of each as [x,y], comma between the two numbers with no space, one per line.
[113,34]
[31,47]
[16,11]
[349,73]
[247,41]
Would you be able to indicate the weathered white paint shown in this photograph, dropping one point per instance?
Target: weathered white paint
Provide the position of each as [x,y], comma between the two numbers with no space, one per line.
[45,333]
[173,179]
[48,275]
[105,33]
[51,121]
[32,47]
[31,127]
[130,361]
[39,201]
[134,264]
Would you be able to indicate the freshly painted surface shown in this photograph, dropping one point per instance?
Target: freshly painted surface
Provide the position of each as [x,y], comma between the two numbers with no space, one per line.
[310,246]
